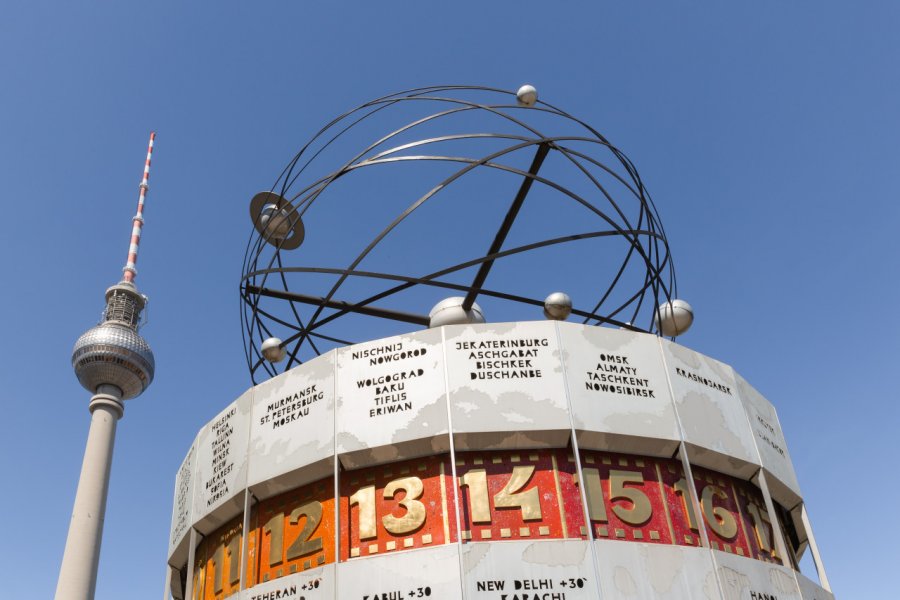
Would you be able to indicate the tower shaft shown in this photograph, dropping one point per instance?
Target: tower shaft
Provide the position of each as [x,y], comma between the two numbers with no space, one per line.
[78,574]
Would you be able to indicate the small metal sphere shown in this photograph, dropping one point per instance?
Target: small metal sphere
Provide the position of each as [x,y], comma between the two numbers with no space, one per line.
[674,318]
[558,306]
[277,221]
[449,311]
[272,350]
[113,354]
[527,95]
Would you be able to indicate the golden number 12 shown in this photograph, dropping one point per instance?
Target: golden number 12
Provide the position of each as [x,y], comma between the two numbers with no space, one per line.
[303,544]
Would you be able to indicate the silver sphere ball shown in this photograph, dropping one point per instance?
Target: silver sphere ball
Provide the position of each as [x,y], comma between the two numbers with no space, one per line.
[449,311]
[113,354]
[276,223]
[558,306]
[527,95]
[674,318]
[272,350]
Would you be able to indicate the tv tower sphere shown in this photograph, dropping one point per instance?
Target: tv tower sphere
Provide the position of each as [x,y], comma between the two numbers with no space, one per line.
[113,352]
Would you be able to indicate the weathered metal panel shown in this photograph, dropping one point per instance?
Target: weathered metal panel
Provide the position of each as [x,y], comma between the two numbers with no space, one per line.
[292,428]
[715,425]
[182,507]
[506,386]
[317,584]
[424,573]
[655,571]
[747,579]
[771,444]
[618,390]
[221,468]
[541,569]
[391,399]
[810,590]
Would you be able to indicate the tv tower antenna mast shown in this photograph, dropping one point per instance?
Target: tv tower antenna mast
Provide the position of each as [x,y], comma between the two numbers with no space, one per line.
[113,362]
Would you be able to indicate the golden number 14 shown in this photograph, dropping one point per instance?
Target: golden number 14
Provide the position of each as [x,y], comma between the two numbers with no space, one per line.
[511,496]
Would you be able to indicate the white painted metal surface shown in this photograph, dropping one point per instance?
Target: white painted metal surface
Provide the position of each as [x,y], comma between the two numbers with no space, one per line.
[391,399]
[292,428]
[286,432]
[506,386]
[746,579]
[618,391]
[220,475]
[638,570]
[183,507]
[715,425]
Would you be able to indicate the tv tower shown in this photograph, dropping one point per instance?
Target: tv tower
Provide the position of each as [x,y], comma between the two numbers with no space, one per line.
[115,363]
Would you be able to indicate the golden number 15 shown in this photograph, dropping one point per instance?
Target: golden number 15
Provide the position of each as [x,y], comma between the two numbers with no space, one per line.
[640,511]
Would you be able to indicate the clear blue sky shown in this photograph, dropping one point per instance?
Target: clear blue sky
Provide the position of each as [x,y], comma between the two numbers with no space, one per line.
[767,134]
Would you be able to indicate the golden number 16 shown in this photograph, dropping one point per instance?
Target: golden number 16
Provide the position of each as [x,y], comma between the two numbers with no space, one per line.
[720,520]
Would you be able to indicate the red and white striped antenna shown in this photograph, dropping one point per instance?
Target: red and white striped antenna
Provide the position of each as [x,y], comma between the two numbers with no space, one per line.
[138,222]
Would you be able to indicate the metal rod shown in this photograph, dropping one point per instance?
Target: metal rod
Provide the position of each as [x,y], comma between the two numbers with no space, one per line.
[814,548]
[384,313]
[511,214]
[130,269]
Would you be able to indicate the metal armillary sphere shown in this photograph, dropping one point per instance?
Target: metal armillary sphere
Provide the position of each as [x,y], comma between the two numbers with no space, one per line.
[436,197]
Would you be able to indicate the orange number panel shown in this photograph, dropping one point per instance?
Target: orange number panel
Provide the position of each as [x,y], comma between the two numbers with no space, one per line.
[396,507]
[217,563]
[293,532]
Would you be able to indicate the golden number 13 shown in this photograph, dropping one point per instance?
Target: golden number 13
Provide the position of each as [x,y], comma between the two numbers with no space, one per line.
[410,521]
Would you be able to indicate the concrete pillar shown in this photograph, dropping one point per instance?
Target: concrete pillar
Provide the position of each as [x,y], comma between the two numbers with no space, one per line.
[78,573]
